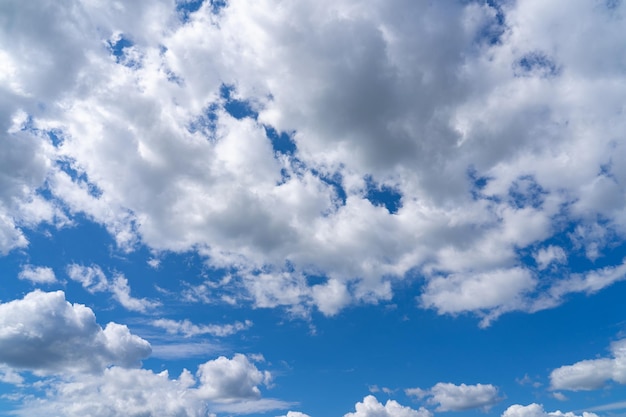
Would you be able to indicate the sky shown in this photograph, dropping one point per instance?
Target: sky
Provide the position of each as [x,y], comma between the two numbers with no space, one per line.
[313,208]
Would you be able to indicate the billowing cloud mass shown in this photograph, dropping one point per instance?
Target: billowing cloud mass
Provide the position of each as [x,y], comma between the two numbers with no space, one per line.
[592,373]
[536,410]
[140,392]
[227,380]
[45,333]
[370,407]
[354,141]
[451,397]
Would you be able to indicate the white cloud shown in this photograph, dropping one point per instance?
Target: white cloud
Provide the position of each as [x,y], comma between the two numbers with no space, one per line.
[551,254]
[536,410]
[46,334]
[451,397]
[370,407]
[37,274]
[494,290]
[188,329]
[229,380]
[294,414]
[531,116]
[94,280]
[592,373]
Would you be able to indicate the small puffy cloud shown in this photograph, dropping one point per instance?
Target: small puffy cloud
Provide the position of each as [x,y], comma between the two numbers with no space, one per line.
[536,410]
[593,373]
[229,380]
[552,254]
[188,329]
[93,279]
[37,274]
[451,397]
[370,407]
[294,414]
[90,277]
[45,333]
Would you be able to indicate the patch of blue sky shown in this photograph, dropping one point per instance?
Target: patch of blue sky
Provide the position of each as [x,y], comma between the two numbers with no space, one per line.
[526,192]
[491,33]
[383,195]
[536,63]
[120,48]
[335,180]
[186,8]
[282,142]
[79,177]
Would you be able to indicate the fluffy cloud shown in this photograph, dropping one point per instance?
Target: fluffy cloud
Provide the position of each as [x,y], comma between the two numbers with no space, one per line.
[451,397]
[37,274]
[294,414]
[188,329]
[536,410]
[370,407]
[46,334]
[94,280]
[228,380]
[136,392]
[493,137]
[593,373]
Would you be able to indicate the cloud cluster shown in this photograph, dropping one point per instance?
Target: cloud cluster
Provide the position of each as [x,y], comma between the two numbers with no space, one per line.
[370,407]
[140,392]
[536,410]
[592,373]
[487,126]
[86,370]
[451,397]
[45,334]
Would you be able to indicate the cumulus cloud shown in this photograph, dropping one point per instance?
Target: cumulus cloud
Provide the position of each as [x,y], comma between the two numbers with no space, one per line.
[451,397]
[188,329]
[138,392]
[94,280]
[370,407]
[37,274]
[228,380]
[493,137]
[45,333]
[536,410]
[592,373]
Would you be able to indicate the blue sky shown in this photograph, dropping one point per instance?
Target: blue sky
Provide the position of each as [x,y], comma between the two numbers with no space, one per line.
[382,208]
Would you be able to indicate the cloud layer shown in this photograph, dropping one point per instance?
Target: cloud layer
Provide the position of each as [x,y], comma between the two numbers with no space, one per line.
[451,140]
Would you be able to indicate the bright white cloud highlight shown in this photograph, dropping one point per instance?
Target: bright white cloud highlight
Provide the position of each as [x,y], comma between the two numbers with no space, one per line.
[46,334]
[592,373]
[228,380]
[370,407]
[451,397]
[294,414]
[37,274]
[536,410]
